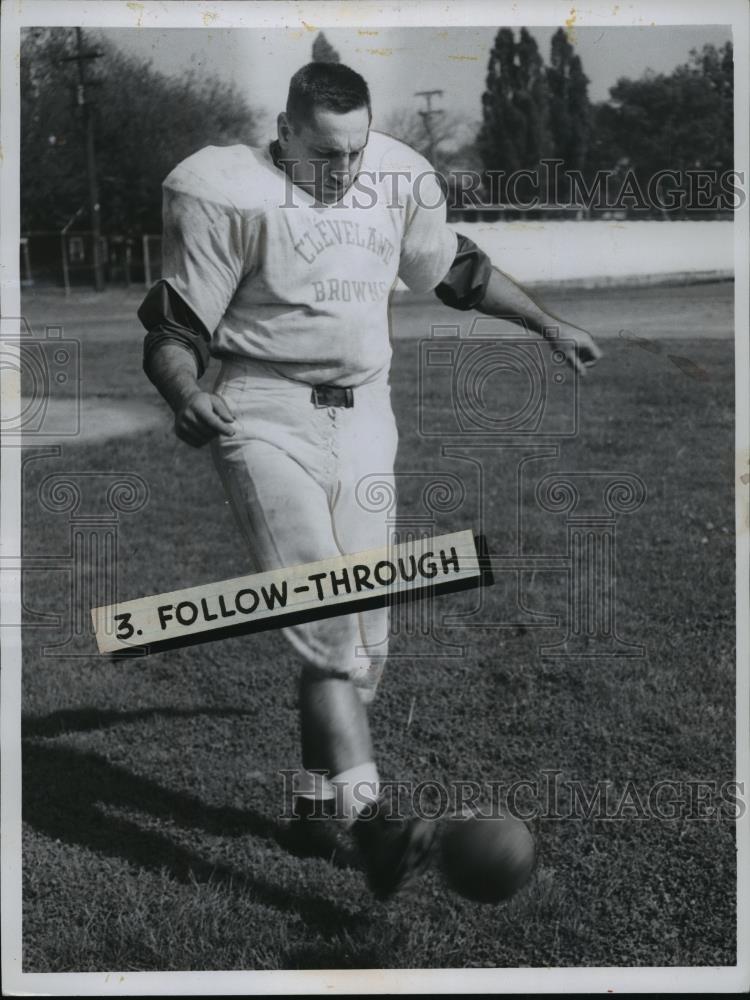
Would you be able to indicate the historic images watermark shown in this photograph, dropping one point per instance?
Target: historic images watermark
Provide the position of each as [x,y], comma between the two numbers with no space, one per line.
[42,379]
[493,400]
[88,505]
[546,796]
[548,185]
[41,374]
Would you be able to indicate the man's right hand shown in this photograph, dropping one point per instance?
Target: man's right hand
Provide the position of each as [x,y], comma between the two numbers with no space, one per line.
[201,417]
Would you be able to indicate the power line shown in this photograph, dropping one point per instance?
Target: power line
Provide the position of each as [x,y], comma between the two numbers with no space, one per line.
[82,58]
[427,117]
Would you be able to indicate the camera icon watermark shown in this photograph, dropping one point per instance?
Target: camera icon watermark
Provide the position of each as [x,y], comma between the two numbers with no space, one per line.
[416,617]
[83,569]
[495,384]
[41,376]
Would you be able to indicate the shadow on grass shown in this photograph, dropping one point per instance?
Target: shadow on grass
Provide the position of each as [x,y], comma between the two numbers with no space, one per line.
[82,720]
[64,790]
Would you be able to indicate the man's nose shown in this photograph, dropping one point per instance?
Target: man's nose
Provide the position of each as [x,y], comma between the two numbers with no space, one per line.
[338,166]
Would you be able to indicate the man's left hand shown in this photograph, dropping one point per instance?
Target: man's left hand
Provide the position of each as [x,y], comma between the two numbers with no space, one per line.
[577,345]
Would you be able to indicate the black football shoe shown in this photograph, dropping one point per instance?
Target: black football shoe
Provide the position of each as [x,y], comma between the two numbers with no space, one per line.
[313,833]
[394,851]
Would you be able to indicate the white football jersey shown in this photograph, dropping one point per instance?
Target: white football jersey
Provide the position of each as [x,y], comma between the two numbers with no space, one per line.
[299,285]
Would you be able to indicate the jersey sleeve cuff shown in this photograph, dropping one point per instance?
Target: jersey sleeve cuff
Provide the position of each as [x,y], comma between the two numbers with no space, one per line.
[168,318]
[465,284]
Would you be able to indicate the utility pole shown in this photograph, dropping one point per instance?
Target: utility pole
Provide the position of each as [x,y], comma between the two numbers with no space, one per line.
[427,117]
[84,104]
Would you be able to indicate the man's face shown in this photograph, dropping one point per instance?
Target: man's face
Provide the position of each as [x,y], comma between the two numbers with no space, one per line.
[328,149]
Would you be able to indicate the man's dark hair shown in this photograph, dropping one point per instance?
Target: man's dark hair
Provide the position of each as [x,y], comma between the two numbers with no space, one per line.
[325,85]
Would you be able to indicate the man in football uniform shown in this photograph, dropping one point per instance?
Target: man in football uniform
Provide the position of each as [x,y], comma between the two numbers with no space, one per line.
[280,262]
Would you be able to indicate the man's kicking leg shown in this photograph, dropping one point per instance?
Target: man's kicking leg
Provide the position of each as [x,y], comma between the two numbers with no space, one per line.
[285,517]
[336,739]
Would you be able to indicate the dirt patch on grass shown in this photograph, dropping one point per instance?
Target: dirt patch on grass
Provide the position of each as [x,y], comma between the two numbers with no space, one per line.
[89,420]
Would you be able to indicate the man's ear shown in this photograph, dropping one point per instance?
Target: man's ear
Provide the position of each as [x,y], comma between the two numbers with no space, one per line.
[283,127]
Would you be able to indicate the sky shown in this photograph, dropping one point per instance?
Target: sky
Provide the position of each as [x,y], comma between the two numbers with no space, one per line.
[397,62]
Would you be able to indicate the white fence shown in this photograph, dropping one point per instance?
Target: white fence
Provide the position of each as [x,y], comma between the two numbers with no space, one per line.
[533,252]
[602,251]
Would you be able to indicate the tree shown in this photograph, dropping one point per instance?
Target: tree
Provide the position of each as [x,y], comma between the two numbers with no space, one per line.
[53,161]
[501,120]
[323,51]
[145,124]
[570,117]
[717,69]
[531,96]
[514,132]
[680,122]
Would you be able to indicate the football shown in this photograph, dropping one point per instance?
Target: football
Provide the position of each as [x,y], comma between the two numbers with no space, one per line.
[486,859]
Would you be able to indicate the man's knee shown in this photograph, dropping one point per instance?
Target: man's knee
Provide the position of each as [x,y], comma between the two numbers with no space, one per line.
[317,672]
[329,644]
[337,648]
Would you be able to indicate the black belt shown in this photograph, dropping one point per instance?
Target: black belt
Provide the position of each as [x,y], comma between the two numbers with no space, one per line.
[332,395]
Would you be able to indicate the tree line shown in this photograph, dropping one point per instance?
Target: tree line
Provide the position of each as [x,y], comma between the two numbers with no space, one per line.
[677,127]
[662,144]
[145,123]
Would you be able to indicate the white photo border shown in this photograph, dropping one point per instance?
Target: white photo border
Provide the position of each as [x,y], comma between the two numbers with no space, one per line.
[17,14]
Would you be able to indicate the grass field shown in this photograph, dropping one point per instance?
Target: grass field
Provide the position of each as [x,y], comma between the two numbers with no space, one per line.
[150,786]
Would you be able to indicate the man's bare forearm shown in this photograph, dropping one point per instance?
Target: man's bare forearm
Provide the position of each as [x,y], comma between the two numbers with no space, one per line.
[174,372]
[199,414]
[505,298]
